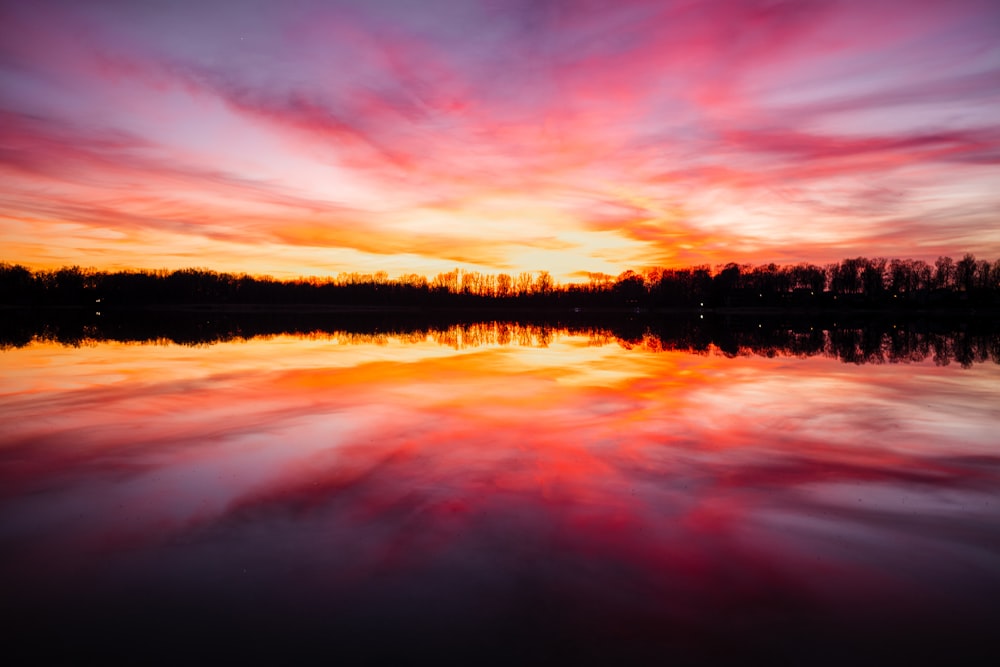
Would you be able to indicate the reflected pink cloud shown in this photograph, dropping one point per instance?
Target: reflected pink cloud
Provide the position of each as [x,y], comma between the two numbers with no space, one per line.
[646,496]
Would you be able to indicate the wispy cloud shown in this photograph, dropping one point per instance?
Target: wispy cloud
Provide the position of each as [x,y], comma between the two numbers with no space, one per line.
[684,132]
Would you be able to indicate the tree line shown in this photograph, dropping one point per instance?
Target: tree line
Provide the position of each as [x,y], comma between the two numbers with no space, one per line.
[860,282]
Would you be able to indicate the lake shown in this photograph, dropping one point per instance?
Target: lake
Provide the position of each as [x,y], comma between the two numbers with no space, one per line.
[500,492]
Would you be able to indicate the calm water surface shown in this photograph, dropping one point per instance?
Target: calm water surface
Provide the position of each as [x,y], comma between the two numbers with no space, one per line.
[521,498]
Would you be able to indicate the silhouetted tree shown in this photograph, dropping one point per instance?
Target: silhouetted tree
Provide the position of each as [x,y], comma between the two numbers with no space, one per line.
[17,284]
[965,273]
[944,273]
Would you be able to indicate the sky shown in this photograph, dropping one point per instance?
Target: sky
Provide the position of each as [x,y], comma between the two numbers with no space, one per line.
[302,138]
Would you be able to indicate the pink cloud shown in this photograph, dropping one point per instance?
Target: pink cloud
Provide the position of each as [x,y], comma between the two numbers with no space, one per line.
[699,108]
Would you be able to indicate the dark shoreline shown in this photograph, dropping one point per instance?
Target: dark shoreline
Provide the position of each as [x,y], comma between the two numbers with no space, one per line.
[854,284]
[527,309]
[849,335]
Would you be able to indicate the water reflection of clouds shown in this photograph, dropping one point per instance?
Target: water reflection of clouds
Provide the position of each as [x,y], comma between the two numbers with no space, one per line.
[688,484]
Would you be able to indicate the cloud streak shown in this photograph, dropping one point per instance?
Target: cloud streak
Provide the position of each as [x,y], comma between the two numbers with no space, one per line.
[562,136]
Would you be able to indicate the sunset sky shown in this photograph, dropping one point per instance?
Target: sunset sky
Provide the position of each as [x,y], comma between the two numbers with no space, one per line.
[416,136]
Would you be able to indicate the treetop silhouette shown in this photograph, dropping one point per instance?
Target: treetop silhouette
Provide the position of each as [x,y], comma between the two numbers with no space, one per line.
[851,283]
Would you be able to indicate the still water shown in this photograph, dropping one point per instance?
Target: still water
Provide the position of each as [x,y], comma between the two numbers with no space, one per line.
[506,493]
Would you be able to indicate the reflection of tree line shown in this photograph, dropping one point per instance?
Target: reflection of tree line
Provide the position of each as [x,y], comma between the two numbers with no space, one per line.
[461,336]
[859,340]
[852,283]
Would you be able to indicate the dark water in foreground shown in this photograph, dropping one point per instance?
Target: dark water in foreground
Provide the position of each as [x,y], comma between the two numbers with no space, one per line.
[520,496]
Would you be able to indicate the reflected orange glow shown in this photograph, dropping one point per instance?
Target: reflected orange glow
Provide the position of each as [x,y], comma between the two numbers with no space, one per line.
[568,416]
[697,486]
